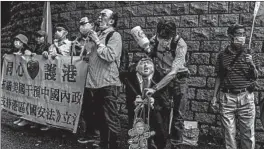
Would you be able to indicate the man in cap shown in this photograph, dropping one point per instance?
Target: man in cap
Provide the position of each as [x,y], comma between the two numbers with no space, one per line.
[41,42]
[61,45]
[103,78]
[236,70]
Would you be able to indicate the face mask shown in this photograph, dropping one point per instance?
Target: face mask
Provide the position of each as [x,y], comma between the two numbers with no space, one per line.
[164,43]
[60,35]
[84,29]
[18,44]
[239,40]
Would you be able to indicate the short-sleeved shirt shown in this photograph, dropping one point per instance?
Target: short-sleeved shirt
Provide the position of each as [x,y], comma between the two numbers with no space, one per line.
[237,77]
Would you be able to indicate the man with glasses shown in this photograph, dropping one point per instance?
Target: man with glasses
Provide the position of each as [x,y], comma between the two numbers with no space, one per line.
[236,71]
[169,51]
[103,78]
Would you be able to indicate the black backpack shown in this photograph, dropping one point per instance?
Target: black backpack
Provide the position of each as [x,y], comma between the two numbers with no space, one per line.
[124,59]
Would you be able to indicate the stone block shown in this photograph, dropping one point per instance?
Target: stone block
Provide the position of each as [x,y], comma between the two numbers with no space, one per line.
[197,81]
[179,8]
[134,47]
[259,136]
[219,33]
[145,10]
[200,58]
[185,33]
[205,118]
[189,21]
[210,46]
[208,20]
[107,4]
[175,19]
[199,106]
[213,59]
[188,115]
[76,15]
[80,5]
[210,82]
[70,6]
[138,21]
[258,33]
[259,125]
[149,33]
[89,14]
[130,11]
[127,35]
[204,70]
[191,93]
[218,7]
[162,9]
[239,7]
[228,19]
[123,23]
[152,22]
[65,17]
[204,94]
[198,7]
[122,3]
[224,44]
[200,33]
[193,45]
[192,69]
[94,4]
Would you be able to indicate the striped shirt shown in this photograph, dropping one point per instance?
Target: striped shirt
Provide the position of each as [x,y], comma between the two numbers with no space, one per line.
[103,61]
[237,77]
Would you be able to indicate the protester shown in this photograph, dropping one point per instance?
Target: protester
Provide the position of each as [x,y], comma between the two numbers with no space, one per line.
[41,42]
[103,79]
[169,51]
[236,72]
[21,48]
[137,80]
[83,46]
[61,45]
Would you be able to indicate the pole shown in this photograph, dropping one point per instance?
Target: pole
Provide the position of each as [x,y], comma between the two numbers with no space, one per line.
[257,4]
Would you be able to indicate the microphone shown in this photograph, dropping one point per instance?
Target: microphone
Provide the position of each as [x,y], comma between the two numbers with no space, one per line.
[96,26]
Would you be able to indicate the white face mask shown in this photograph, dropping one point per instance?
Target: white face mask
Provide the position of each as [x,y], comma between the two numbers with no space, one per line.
[239,40]
[18,44]
[84,29]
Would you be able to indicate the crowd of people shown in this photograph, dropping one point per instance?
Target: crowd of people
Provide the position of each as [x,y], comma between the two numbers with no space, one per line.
[161,74]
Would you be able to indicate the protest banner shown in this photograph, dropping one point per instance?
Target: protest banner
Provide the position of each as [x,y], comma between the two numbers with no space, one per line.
[44,91]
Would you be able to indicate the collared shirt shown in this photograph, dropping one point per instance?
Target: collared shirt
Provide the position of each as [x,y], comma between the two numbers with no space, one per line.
[165,62]
[237,77]
[62,47]
[103,62]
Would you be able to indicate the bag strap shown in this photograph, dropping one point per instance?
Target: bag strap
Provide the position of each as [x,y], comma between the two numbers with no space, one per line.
[108,36]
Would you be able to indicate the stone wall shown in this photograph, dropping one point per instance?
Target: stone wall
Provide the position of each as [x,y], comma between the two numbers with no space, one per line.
[202,25]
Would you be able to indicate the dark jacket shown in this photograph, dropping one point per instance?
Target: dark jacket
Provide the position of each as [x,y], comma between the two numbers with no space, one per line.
[39,49]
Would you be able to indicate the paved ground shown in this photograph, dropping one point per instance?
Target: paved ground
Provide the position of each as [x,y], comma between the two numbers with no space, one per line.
[14,137]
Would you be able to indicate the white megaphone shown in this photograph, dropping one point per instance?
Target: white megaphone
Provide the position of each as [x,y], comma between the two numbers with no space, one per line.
[140,38]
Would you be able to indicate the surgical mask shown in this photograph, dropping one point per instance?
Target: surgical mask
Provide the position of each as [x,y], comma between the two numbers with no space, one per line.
[18,44]
[60,35]
[164,43]
[84,29]
[239,40]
